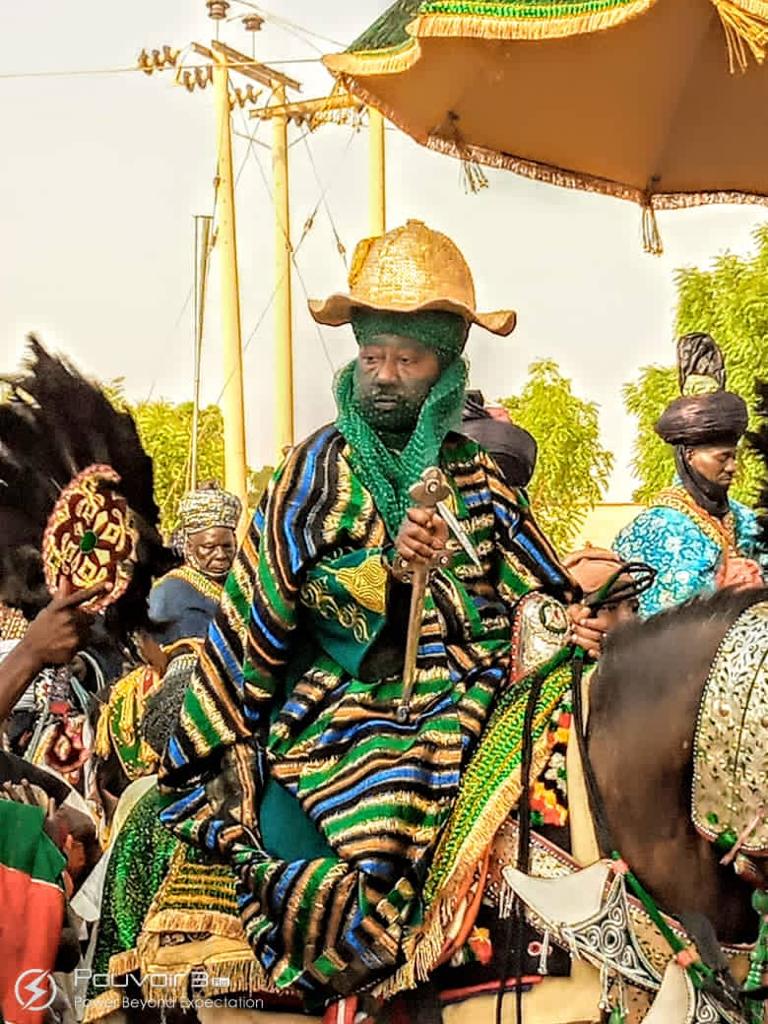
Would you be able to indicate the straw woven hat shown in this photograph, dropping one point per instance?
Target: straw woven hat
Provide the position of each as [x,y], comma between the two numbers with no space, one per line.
[409,270]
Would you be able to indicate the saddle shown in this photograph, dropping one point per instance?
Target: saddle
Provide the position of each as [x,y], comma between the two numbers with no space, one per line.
[589,910]
[730,751]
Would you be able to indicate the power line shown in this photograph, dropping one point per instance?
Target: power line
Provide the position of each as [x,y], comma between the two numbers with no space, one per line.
[68,74]
[84,72]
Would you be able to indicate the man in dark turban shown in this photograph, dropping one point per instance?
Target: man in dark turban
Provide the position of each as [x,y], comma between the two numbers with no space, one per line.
[696,537]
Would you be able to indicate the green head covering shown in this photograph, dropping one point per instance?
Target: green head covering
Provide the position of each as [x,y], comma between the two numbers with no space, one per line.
[440,332]
[389,460]
[390,473]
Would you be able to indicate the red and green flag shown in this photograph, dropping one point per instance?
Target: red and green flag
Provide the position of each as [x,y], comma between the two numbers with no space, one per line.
[32,913]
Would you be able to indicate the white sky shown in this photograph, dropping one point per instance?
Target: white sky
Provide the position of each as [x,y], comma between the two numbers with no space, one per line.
[100,176]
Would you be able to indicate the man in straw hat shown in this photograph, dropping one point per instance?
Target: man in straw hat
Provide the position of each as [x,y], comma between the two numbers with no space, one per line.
[693,534]
[291,758]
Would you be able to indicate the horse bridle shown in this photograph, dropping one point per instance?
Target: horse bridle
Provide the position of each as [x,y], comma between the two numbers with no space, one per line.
[627,583]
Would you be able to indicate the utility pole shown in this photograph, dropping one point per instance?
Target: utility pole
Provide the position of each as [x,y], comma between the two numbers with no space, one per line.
[218,62]
[310,113]
[232,399]
[283,260]
[315,112]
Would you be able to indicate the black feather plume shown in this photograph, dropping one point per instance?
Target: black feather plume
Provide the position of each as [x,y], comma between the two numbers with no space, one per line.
[55,424]
[698,355]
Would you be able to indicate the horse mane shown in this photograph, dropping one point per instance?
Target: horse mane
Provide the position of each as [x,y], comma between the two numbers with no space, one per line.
[723,604]
[649,651]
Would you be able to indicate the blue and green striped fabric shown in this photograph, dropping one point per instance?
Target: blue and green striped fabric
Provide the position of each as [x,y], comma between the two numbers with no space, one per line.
[293,691]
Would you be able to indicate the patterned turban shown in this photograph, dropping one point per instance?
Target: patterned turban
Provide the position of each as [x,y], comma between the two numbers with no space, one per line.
[206,508]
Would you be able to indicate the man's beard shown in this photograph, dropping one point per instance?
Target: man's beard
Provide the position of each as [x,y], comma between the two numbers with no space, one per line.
[390,409]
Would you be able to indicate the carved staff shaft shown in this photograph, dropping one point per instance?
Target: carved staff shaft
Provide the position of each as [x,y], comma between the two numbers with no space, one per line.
[431,489]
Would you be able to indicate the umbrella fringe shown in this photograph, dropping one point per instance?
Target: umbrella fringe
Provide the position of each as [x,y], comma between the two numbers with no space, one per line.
[447,19]
[745,24]
[652,242]
[551,174]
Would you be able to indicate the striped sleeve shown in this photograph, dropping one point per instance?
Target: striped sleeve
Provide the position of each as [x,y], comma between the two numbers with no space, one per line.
[214,760]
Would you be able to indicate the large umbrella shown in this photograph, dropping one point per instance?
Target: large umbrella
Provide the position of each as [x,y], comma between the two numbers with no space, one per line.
[663,102]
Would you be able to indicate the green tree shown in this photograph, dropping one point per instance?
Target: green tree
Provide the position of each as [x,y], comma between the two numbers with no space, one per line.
[572,468]
[730,302]
[653,461]
[165,430]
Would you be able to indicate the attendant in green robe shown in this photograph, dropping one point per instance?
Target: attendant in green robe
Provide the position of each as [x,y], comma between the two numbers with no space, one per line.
[289,760]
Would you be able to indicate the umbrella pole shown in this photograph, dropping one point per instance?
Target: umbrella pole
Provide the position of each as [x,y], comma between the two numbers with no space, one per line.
[377,189]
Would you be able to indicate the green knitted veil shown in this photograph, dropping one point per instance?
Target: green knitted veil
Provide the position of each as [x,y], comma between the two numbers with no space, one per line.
[388,474]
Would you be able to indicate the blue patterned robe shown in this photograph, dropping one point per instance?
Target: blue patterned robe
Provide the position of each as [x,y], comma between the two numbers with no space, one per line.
[685,546]
[182,605]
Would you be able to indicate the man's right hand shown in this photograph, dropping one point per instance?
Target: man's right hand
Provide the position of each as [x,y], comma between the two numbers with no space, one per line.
[58,631]
[421,536]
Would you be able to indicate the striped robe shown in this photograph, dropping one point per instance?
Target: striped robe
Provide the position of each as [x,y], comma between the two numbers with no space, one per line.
[284,700]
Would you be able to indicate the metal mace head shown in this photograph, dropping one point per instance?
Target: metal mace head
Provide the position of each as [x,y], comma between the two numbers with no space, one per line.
[431,492]
[431,488]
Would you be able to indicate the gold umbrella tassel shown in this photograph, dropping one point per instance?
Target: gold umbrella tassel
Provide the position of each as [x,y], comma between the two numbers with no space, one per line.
[652,242]
[473,175]
[746,30]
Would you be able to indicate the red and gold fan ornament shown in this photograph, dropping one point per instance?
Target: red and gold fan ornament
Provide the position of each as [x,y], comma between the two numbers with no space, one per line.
[91,538]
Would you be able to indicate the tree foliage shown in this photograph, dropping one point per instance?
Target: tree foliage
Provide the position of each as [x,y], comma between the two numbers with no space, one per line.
[571,473]
[730,302]
[165,430]
[653,461]
[573,467]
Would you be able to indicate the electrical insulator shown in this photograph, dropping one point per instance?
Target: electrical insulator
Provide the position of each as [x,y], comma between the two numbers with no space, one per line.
[253,22]
[158,60]
[249,94]
[217,9]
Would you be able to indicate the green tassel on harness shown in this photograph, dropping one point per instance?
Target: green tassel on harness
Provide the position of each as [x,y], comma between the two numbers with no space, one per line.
[758,958]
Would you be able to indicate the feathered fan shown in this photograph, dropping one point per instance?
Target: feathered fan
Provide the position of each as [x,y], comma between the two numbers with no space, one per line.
[75,481]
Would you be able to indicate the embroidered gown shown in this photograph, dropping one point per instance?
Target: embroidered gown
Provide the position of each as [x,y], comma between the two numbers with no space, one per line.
[288,759]
[686,546]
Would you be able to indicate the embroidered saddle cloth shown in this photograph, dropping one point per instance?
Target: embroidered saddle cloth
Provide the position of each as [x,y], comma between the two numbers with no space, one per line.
[589,912]
[731,741]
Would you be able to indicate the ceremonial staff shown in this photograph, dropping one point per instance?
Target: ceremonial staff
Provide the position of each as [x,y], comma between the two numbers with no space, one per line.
[431,493]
